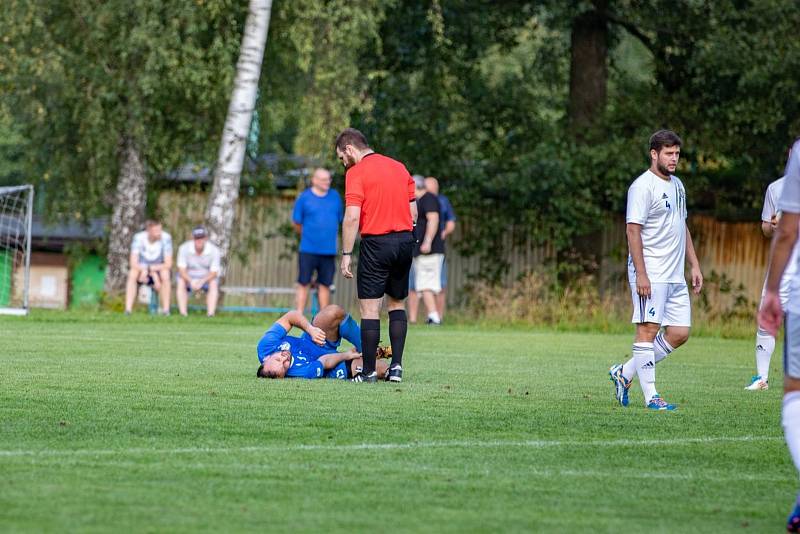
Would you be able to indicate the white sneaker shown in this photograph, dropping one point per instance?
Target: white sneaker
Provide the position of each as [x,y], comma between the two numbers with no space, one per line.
[757,383]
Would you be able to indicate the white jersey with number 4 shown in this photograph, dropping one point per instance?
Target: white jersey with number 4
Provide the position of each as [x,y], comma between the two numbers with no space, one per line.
[789,201]
[659,206]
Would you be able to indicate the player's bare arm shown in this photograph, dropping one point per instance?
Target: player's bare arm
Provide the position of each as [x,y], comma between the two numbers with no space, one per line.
[449,228]
[636,249]
[329,361]
[133,261]
[166,264]
[694,264]
[768,228]
[198,283]
[137,268]
[183,272]
[295,318]
[352,215]
[414,211]
[430,232]
[771,313]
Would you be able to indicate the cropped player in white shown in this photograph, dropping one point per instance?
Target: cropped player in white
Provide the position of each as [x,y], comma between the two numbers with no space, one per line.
[659,243]
[765,342]
[771,312]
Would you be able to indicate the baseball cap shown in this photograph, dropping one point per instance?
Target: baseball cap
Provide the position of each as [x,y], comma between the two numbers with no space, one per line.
[198,232]
[419,180]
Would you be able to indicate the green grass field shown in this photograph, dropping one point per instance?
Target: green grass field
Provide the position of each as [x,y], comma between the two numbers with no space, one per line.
[159,425]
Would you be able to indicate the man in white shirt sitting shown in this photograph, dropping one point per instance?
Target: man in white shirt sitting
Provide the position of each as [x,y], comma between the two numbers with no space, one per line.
[198,270]
[150,263]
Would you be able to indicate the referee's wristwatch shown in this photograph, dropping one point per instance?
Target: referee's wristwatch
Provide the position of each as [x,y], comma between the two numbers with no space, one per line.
[347,253]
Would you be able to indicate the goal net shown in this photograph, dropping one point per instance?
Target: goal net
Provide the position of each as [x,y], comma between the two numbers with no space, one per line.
[16,217]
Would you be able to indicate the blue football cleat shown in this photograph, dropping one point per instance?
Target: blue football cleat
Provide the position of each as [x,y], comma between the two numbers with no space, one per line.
[793,523]
[621,384]
[659,404]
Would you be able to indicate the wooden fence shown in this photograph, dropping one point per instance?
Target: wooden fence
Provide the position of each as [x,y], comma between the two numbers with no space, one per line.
[264,255]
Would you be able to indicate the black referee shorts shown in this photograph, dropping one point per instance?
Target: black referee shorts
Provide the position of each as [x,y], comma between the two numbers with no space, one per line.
[383,265]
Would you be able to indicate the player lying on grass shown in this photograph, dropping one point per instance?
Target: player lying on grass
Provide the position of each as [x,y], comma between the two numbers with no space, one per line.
[315,353]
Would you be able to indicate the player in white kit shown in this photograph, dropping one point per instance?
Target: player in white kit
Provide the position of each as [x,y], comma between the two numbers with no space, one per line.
[659,243]
[765,342]
[771,312]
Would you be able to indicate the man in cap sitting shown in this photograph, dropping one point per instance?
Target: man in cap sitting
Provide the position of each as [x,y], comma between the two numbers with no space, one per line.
[198,270]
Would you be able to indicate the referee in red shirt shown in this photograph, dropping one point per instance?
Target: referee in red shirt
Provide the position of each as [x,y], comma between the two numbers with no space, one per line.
[380,202]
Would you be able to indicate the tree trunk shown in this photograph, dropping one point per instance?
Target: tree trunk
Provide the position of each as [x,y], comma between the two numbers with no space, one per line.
[227,173]
[588,73]
[128,215]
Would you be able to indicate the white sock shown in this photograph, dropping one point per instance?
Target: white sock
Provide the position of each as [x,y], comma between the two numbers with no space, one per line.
[434,316]
[646,369]
[790,417]
[661,347]
[765,346]
[629,369]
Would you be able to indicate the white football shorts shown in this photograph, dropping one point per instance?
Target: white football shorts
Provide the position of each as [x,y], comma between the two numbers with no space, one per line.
[791,345]
[428,272]
[783,291]
[667,305]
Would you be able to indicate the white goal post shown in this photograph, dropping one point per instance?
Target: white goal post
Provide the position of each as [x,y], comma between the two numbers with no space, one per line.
[16,220]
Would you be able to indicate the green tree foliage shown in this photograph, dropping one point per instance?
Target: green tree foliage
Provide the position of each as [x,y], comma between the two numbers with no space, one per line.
[724,74]
[12,152]
[474,92]
[479,97]
[78,77]
[313,80]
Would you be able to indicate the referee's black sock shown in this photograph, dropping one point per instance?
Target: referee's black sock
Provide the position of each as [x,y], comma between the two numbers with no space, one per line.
[398,327]
[370,335]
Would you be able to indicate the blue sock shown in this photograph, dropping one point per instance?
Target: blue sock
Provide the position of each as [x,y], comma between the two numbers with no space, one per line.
[350,330]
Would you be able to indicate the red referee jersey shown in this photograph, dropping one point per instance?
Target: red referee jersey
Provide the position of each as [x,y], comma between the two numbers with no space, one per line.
[382,188]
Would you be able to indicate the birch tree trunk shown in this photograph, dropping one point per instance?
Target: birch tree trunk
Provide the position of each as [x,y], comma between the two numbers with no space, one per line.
[221,207]
[127,218]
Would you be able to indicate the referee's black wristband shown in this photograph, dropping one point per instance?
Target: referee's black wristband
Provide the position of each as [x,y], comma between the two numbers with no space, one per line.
[347,253]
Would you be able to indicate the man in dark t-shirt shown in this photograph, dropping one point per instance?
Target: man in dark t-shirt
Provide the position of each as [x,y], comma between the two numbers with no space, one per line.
[447,225]
[429,252]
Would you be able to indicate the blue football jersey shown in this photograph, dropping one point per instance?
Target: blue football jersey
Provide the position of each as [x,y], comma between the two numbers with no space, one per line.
[305,354]
[276,339]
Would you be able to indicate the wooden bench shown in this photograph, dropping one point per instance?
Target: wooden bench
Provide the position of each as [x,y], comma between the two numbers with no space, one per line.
[264,291]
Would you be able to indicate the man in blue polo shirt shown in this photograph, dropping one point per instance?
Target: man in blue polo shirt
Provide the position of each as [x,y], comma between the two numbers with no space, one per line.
[315,353]
[317,214]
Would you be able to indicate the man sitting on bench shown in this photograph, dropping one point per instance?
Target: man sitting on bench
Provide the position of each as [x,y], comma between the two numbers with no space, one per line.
[150,263]
[314,354]
[198,270]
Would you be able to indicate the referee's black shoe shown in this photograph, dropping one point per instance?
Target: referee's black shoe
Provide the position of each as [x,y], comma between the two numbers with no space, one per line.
[395,374]
[361,377]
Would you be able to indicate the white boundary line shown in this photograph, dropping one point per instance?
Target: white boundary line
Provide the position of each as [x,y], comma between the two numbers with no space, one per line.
[532,444]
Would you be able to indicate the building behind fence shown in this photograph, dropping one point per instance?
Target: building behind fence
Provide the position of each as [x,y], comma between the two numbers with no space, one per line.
[732,254]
